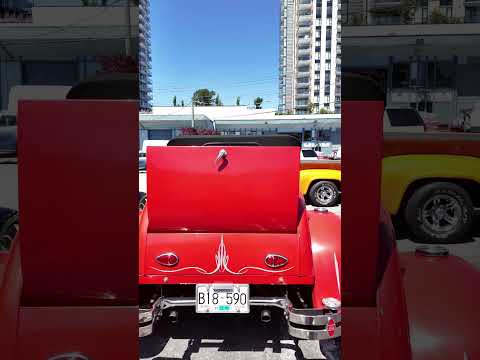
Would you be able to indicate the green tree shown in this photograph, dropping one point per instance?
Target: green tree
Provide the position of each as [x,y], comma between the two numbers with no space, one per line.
[407,10]
[175,101]
[238,100]
[183,103]
[258,102]
[311,108]
[203,97]
[325,111]
[218,101]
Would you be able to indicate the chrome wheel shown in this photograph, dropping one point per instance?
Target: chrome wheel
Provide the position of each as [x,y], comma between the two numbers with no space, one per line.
[442,213]
[325,194]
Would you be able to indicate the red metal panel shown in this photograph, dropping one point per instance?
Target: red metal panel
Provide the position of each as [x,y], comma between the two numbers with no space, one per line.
[326,254]
[222,254]
[101,332]
[433,284]
[10,290]
[250,190]
[361,175]
[78,191]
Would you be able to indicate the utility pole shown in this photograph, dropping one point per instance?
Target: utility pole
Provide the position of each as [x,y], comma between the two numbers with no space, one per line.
[193,112]
[128,39]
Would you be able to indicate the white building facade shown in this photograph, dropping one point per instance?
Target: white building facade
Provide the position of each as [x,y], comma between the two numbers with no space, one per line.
[310,56]
[61,42]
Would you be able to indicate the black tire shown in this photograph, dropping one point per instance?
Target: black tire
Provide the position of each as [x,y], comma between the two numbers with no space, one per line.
[324,193]
[8,227]
[142,199]
[440,212]
[331,349]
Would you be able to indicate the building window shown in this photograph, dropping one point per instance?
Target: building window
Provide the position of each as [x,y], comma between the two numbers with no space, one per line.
[446,11]
[425,15]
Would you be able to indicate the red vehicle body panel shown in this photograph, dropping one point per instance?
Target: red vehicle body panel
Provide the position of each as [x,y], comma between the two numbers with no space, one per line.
[326,255]
[442,300]
[69,281]
[317,231]
[78,192]
[360,220]
[247,191]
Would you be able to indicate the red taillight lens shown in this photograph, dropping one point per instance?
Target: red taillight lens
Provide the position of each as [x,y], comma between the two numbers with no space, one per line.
[167,259]
[275,261]
[331,327]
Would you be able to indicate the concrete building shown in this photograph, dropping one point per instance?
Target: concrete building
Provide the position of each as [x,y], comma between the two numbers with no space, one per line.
[310,56]
[398,12]
[60,42]
[424,53]
[167,122]
[144,56]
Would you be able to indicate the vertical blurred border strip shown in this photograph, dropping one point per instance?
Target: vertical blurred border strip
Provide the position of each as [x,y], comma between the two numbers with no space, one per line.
[429,178]
[69,81]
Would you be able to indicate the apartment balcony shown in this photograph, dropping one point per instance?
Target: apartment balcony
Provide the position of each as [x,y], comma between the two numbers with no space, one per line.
[306,29]
[303,74]
[305,7]
[301,104]
[303,85]
[304,2]
[304,19]
[302,95]
[305,40]
[303,63]
[303,52]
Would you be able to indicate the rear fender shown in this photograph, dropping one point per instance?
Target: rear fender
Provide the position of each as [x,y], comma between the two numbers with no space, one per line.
[442,302]
[10,290]
[325,233]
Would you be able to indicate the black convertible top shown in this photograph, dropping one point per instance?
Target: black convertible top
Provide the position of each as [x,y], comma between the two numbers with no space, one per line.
[237,140]
[359,87]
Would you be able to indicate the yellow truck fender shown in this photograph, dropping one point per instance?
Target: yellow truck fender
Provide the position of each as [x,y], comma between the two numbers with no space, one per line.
[401,174]
[310,176]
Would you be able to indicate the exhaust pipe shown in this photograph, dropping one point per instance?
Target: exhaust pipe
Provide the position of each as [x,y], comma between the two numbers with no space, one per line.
[265,316]
[173,316]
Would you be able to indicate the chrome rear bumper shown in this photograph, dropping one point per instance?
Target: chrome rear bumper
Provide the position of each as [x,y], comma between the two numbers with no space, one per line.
[307,324]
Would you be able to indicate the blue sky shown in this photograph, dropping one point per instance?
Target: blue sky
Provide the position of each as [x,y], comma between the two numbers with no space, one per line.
[230,46]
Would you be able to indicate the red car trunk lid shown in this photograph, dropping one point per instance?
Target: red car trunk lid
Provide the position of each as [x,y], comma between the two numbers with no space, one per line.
[215,189]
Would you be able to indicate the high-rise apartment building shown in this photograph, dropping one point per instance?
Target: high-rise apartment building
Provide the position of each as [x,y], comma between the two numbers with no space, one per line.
[310,56]
[144,56]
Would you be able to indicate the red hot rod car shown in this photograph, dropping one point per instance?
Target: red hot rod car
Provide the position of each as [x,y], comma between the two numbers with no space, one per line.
[226,247]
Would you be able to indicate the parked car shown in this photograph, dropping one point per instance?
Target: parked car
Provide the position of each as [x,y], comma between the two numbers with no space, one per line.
[282,269]
[402,120]
[308,154]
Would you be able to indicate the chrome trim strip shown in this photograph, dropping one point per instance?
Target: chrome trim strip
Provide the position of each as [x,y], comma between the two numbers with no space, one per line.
[145,330]
[165,303]
[314,319]
[313,334]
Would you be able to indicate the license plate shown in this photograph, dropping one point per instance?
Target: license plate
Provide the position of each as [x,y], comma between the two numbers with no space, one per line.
[222,298]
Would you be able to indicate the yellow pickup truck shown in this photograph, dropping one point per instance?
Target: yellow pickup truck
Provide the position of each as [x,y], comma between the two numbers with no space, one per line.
[320,182]
[431,181]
